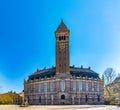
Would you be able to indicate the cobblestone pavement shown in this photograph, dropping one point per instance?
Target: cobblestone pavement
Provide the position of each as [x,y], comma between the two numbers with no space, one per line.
[65,107]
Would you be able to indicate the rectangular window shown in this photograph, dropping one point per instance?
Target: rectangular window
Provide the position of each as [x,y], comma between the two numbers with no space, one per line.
[39,87]
[97,87]
[45,87]
[80,86]
[86,86]
[74,86]
[51,87]
[92,86]
[62,85]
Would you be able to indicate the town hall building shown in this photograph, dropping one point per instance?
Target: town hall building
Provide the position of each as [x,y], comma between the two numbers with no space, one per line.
[63,84]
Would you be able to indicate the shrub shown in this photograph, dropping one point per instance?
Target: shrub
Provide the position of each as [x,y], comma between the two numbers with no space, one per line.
[113,103]
[107,102]
[6,99]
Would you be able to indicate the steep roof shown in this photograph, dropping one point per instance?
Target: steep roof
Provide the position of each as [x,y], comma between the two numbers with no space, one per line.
[62,27]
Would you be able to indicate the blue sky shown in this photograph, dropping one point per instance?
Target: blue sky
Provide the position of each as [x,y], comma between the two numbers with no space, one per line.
[27,40]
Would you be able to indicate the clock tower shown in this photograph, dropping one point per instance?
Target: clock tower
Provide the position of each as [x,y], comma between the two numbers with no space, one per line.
[62,49]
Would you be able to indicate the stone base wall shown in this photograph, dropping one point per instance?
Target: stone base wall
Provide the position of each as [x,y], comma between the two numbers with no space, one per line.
[70,100]
[65,102]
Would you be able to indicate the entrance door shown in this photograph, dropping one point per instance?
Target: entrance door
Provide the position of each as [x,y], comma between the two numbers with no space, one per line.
[63,97]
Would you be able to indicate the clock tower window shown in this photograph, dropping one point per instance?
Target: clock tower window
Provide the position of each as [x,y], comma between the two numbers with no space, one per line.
[62,38]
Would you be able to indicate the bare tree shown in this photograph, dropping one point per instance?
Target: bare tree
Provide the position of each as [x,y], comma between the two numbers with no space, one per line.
[109,76]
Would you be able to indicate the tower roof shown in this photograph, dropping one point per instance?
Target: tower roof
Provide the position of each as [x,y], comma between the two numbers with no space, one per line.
[62,27]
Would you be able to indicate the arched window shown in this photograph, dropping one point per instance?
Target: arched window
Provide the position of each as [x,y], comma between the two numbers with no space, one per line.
[63,97]
[62,85]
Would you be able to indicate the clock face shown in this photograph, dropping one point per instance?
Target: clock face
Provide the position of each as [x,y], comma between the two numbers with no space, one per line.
[62,46]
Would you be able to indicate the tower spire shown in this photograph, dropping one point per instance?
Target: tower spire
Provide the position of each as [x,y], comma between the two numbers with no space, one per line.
[62,27]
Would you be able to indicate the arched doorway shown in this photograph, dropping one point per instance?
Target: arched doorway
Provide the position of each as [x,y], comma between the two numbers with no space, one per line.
[63,97]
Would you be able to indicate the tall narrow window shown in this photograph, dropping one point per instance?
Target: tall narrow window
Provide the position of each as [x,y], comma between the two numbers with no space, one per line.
[45,87]
[40,99]
[62,85]
[86,86]
[97,87]
[80,86]
[92,98]
[86,98]
[74,86]
[39,87]
[28,99]
[92,86]
[62,38]
[51,87]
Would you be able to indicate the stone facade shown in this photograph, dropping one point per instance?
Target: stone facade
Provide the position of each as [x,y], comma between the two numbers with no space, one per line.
[64,84]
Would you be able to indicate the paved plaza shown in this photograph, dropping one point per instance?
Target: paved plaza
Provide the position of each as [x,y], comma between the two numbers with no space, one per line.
[65,107]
